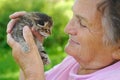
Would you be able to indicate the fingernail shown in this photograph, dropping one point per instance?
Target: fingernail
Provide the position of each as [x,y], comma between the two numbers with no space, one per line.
[10,16]
[25,28]
[33,29]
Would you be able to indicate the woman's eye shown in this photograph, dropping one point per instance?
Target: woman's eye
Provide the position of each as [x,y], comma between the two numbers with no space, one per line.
[82,23]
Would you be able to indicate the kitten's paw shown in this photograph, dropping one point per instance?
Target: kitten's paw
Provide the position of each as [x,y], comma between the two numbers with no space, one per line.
[45,58]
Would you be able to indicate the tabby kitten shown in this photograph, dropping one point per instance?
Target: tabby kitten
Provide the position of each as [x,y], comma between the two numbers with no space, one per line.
[41,23]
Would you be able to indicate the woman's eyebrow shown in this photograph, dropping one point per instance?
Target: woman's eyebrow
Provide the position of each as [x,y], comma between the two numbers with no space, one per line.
[82,18]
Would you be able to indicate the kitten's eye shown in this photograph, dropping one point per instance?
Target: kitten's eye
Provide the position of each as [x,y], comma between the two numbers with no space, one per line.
[46,30]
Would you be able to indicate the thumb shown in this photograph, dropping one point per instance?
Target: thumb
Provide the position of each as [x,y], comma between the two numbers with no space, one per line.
[37,35]
[28,36]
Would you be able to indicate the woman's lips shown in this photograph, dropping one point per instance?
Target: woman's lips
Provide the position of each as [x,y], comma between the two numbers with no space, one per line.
[74,42]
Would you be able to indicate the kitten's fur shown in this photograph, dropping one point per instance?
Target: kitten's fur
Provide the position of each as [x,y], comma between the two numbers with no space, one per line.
[41,23]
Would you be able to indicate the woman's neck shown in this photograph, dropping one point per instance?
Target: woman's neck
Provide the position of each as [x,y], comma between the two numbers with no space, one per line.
[83,70]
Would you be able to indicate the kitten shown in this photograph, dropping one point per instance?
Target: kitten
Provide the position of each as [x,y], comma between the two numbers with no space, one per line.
[41,23]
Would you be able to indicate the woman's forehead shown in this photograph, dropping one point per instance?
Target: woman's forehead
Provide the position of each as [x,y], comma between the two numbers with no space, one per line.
[89,2]
[88,10]
[85,9]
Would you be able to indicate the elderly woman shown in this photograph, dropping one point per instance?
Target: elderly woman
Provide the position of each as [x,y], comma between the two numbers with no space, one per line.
[93,47]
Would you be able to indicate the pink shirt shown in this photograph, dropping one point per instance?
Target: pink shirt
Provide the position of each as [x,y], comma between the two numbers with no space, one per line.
[67,70]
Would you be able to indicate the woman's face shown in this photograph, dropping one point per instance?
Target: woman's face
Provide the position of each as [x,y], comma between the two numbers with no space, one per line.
[85,31]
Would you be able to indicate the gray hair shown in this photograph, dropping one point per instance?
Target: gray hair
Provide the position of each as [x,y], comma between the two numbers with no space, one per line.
[111,20]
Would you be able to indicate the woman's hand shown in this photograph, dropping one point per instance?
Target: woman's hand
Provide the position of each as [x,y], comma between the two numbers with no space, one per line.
[30,63]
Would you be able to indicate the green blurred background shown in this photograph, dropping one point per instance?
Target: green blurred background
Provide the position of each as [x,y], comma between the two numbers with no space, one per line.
[60,10]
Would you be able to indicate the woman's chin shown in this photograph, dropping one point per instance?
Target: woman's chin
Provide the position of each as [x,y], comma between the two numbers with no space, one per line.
[69,49]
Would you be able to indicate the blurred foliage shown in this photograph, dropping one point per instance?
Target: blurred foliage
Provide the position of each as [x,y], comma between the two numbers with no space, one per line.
[59,10]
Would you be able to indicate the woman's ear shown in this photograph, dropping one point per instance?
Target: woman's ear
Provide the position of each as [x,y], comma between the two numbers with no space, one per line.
[116,54]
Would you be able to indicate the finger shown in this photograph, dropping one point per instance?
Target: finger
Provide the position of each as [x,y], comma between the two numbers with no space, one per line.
[11,42]
[28,36]
[17,14]
[37,35]
[10,25]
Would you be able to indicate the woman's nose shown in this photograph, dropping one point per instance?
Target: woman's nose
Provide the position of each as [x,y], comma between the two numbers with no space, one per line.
[70,28]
